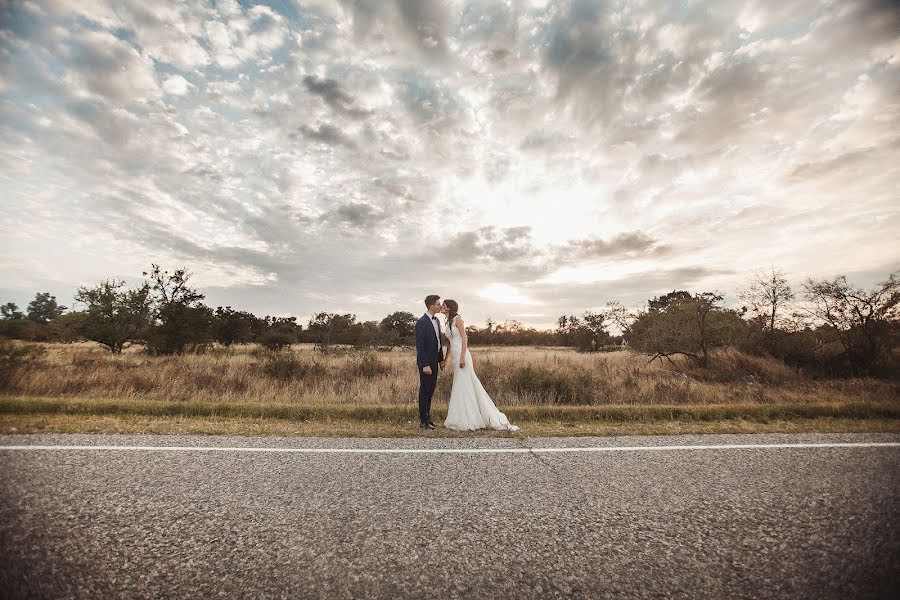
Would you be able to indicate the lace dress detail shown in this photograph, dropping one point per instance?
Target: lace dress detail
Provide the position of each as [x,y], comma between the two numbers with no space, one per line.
[470,405]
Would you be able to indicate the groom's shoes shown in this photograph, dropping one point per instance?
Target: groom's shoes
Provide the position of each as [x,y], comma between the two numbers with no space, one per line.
[431,424]
[428,425]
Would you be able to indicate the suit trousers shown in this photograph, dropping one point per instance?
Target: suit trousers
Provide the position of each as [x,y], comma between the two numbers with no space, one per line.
[427,383]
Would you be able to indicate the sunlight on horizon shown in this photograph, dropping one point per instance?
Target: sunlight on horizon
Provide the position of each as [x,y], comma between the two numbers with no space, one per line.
[309,156]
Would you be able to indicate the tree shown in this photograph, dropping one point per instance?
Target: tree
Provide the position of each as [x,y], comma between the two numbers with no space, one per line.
[363,334]
[510,333]
[234,326]
[593,332]
[181,321]
[11,311]
[588,333]
[329,328]
[114,315]
[398,328]
[567,328]
[686,325]
[766,294]
[66,328]
[863,321]
[44,308]
[666,300]
[620,316]
[489,325]
[281,332]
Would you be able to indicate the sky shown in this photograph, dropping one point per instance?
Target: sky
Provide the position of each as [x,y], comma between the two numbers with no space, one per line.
[526,158]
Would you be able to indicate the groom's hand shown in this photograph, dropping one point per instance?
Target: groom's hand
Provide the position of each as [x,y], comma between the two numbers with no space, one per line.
[427,370]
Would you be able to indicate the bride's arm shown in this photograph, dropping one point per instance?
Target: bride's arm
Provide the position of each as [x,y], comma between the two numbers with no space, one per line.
[461,328]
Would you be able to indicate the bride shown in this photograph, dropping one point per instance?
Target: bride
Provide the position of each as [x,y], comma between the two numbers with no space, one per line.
[470,406]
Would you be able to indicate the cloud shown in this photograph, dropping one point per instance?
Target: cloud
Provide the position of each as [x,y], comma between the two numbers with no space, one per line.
[489,244]
[357,215]
[625,244]
[169,33]
[328,134]
[239,36]
[567,152]
[632,290]
[332,94]
[421,23]
[103,66]
[177,85]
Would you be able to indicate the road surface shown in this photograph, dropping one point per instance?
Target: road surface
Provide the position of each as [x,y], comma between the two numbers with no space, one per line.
[626,517]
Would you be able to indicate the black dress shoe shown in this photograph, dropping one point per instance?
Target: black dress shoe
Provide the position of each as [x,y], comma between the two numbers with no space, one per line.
[426,425]
[432,424]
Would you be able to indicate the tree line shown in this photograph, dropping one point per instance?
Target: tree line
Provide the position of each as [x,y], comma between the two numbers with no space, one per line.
[834,328]
[831,327]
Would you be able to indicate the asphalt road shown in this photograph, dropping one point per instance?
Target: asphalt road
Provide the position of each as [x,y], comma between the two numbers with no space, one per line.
[817,522]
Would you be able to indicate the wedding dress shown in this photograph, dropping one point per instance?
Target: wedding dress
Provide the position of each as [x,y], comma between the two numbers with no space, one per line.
[470,405]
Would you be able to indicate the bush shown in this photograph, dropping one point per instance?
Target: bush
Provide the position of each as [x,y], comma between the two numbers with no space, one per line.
[16,357]
[87,361]
[550,385]
[276,340]
[368,366]
[181,329]
[285,366]
[729,365]
[490,373]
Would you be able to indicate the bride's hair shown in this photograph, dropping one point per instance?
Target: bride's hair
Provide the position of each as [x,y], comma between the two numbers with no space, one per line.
[454,310]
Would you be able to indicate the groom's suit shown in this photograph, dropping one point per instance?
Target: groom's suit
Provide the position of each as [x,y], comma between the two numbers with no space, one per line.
[428,354]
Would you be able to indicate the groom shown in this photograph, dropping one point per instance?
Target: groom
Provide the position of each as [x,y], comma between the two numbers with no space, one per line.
[428,356]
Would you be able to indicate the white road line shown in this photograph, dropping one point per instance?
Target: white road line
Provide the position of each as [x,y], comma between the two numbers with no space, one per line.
[449,450]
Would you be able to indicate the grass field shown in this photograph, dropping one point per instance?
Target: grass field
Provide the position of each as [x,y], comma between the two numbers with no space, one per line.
[550,391]
[41,423]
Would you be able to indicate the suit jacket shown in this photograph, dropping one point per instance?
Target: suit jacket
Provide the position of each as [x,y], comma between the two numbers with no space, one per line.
[428,353]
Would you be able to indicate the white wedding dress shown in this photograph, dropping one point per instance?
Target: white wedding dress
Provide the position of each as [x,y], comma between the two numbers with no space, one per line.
[470,406]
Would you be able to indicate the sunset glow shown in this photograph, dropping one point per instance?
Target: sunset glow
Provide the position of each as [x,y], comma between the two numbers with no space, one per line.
[306,156]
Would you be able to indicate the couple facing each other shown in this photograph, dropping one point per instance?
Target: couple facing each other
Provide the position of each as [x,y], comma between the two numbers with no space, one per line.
[470,405]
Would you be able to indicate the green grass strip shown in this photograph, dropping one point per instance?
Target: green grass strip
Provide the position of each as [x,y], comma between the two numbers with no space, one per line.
[404,413]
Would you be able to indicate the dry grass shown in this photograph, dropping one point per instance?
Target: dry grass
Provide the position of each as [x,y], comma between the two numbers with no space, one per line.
[514,376]
[399,414]
[232,426]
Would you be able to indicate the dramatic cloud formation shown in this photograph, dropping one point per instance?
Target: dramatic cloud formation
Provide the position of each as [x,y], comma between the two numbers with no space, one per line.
[525,158]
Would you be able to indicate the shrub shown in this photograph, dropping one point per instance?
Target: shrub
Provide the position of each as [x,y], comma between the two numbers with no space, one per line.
[368,366]
[276,340]
[729,365]
[86,360]
[490,374]
[16,357]
[286,366]
[550,385]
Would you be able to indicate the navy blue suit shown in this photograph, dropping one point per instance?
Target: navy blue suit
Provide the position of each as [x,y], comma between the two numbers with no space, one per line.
[428,354]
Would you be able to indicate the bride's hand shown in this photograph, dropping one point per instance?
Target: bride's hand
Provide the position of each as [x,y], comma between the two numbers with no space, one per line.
[462,363]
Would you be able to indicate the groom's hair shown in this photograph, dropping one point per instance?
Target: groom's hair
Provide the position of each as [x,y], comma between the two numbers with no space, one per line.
[431,299]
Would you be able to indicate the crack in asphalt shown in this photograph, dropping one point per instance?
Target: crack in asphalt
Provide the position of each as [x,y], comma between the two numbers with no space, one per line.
[571,481]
